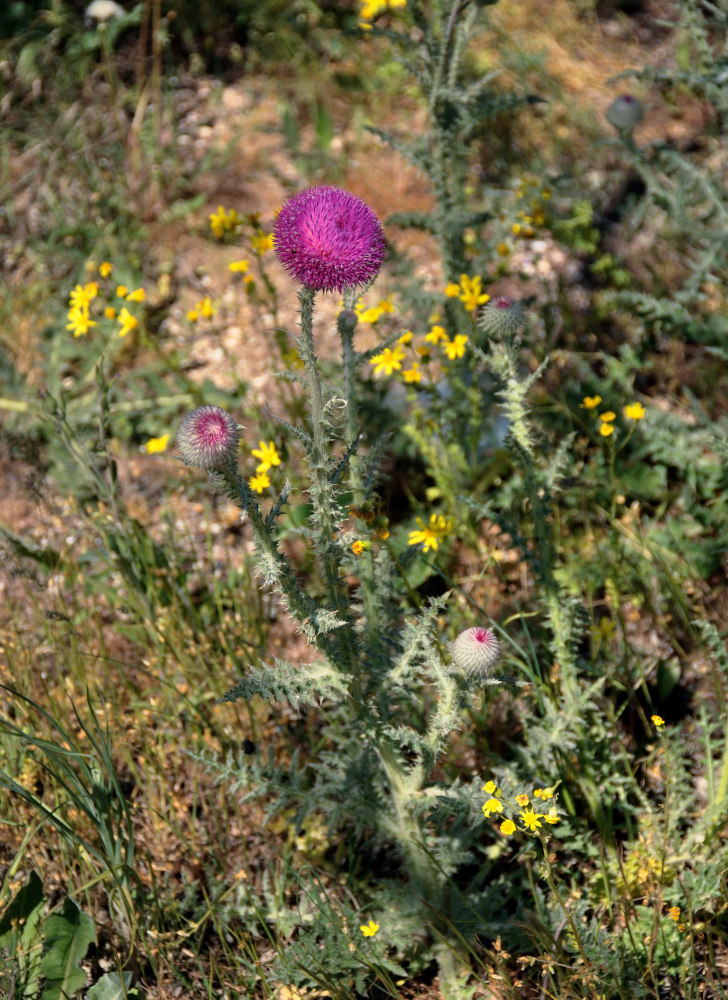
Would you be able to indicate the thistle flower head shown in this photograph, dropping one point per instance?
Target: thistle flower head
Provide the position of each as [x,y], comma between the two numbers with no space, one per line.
[208,438]
[475,651]
[625,113]
[502,317]
[328,239]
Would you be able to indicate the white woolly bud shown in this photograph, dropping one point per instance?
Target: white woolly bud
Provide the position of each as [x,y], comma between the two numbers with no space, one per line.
[475,651]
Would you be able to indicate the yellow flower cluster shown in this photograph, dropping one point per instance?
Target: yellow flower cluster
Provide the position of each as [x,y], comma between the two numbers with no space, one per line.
[430,535]
[204,308]
[81,299]
[528,817]
[391,359]
[632,411]
[223,223]
[370,314]
[469,291]
[267,456]
[371,9]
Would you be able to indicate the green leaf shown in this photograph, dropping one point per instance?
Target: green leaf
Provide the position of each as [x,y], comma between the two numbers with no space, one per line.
[67,937]
[112,986]
[20,935]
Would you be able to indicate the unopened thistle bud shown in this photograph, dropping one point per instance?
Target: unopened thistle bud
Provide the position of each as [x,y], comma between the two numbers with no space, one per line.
[625,113]
[208,439]
[475,651]
[502,317]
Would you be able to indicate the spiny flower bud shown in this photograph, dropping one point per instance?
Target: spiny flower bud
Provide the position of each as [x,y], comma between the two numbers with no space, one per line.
[475,651]
[501,317]
[208,439]
[625,113]
[328,239]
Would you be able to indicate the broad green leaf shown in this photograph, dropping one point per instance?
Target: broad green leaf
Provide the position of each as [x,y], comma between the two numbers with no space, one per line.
[67,937]
[112,986]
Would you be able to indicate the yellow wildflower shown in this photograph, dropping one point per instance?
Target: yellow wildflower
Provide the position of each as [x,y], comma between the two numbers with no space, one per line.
[472,294]
[79,321]
[456,348]
[121,291]
[155,445]
[138,295]
[413,374]
[507,827]
[530,819]
[430,535]
[261,242]
[110,312]
[608,416]
[606,429]
[267,456]
[357,547]
[128,322]
[370,929]
[674,913]
[390,360]
[634,411]
[657,721]
[238,266]
[452,290]
[522,800]
[105,269]
[406,338]
[492,806]
[436,334]
[490,788]
[259,481]
[591,402]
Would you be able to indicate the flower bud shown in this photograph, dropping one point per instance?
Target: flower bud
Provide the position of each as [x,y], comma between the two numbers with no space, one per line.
[625,113]
[475,651]
[502,317]
[208,439]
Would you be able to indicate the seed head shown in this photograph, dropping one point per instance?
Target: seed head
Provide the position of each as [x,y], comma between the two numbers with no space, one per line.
[475,651]
[502,317]
[208,439]
[328,239]
[625,113]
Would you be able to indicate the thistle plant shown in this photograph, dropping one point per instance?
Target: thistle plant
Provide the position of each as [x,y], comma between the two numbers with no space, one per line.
[393,693]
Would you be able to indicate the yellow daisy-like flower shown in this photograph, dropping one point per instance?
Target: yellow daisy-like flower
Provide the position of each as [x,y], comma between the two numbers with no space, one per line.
[530,819]
[110,312]
[261,242]
[634,411]
[551,818]
[591,402]
[206,307]
[238,266]
[430,535]
[357,547]
[193,315]
[267,456]
[156,445]
[452,291]
[82,296]
[657,721]
[436,334]
[389,361]
[128,322]
[121,291]
[370,929]
[222,222]
[406,338]
[490,788]
[105,269]
[259,481]
[507,827]
[492,806]
[412,374]
[606,429]
[472,294]
[370,315]
[608,416]
[522,800]
[79,321]
[674,913]
[138,295]
[456,348]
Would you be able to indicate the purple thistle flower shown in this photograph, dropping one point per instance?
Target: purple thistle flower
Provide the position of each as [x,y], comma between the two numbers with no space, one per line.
[208,439]
[328,239]
[475,651]
[502,316]
[625,113]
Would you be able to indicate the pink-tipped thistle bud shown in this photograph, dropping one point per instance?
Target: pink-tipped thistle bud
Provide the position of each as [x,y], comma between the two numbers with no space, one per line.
[625,113]
[328,239]
[208,439]
[502,317]
[475,652]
